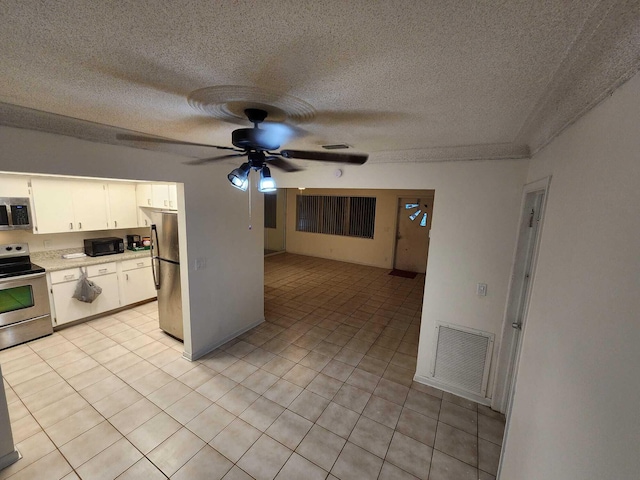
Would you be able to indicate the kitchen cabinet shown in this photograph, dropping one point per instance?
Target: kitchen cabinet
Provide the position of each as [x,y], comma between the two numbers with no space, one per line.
[63,205]
[89,205]
[123,210]
[144,217]
[173,196]
[157,195]
[63,285]
[143,195]
[136,281]
[14,186]
[123,283]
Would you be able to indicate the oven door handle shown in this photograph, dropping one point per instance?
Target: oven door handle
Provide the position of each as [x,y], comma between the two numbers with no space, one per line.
[25,277]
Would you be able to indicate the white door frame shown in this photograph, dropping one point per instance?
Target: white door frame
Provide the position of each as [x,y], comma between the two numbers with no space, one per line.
[506,368]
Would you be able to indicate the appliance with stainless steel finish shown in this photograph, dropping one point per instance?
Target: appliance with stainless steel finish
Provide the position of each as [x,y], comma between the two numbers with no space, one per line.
[165,266]
[24,304]
[15,214]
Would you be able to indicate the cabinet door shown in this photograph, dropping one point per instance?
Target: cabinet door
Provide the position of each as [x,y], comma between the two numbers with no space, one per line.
[143,195]
[110,297]
[52,205]
[14,186]
[67,308]
[173,197]
[160,195]
[144,217]
[89,205]
[123,209]
[138,285]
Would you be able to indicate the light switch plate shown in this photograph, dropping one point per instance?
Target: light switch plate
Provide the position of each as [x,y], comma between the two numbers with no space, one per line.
[200,263]
[481,290]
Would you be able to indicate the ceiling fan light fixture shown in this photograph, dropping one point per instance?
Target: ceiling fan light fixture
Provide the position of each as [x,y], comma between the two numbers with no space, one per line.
[239,177]
[266,184]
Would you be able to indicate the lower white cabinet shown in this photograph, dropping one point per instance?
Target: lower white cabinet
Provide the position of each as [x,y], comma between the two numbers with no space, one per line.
[123,283]
[136,281]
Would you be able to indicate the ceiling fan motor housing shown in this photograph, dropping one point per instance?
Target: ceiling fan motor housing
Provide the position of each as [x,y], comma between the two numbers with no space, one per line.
[252,139]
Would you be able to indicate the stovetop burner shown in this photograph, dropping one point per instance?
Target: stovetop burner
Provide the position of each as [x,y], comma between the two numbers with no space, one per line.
[15,261]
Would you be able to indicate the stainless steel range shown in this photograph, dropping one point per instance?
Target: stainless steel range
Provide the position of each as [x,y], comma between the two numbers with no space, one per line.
[24,304]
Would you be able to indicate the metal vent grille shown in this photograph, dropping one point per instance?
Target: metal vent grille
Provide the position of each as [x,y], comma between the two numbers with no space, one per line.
[462,358]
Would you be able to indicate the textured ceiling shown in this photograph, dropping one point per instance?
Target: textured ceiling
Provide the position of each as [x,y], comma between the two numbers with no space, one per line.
[414,80]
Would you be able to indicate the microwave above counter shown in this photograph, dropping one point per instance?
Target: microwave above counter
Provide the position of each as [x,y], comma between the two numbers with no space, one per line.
[96,247]
[15,214]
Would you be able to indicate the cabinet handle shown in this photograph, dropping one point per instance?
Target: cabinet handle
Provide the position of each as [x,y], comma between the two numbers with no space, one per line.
[126,276]
[171,203]
[165,203]
[115,223]
[79,225]
[140,264]
[70,225]
[149,201]
[146,223]
[69,277]
[102,270]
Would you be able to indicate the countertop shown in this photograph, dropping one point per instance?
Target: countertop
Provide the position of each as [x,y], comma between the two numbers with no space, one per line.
[52,260]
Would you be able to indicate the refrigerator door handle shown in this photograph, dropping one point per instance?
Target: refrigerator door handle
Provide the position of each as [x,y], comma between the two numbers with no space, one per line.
[155,263]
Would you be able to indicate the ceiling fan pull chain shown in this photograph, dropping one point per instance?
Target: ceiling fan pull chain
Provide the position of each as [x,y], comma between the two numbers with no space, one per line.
[249,180]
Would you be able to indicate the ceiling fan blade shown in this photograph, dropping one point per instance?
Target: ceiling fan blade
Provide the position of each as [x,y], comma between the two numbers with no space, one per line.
[144,138]
[282,164]
[355,158]
[202,161]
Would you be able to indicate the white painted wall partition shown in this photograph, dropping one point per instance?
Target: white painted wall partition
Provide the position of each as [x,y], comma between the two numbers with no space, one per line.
[575,414]
[221,300]
[475,221]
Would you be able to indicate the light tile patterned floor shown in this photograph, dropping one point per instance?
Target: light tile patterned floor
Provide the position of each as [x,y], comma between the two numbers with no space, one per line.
[322,389]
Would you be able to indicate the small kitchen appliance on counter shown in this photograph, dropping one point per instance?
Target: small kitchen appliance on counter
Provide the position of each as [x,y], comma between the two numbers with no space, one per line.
[24,304]
[96,247]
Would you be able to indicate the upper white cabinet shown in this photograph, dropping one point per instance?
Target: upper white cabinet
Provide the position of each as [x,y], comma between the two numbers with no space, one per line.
[157,195]
[14,186]
[123,209]
[89,205]
[143,195]
[68,205]
[62,205]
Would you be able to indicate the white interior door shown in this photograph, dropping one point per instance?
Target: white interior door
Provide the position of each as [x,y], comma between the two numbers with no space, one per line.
[412,234]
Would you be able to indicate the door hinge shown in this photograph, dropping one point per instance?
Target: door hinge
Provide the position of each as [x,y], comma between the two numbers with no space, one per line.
[533,212]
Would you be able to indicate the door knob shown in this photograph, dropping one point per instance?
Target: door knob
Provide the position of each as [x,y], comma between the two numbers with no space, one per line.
[516,325]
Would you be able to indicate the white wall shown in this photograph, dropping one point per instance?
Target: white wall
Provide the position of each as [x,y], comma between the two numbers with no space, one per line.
[576,411]
[473,234]
[224,298]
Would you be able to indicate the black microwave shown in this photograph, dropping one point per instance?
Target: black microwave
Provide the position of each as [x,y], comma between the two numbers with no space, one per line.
[95,247]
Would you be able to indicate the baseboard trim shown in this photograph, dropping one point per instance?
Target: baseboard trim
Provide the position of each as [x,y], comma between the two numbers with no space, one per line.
[201,353]
[9,459]
[456,391]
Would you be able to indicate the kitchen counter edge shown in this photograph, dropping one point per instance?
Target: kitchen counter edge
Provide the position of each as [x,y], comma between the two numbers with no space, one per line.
[55,264]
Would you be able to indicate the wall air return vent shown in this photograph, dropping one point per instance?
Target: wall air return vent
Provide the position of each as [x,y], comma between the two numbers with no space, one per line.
[462,358]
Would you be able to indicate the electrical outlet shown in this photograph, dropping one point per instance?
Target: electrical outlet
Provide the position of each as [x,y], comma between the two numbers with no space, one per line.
[481,290]
[47,243]
[200,263]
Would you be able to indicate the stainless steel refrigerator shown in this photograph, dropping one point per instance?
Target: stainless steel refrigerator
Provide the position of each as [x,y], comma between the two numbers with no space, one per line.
[165,265]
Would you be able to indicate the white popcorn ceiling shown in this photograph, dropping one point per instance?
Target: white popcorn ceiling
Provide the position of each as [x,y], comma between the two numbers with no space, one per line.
[403,80]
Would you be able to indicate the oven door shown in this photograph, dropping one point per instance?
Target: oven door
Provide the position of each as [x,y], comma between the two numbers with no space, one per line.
[23,297]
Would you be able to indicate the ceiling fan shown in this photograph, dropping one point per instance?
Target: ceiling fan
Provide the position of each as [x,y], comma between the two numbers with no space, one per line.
[259,145]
